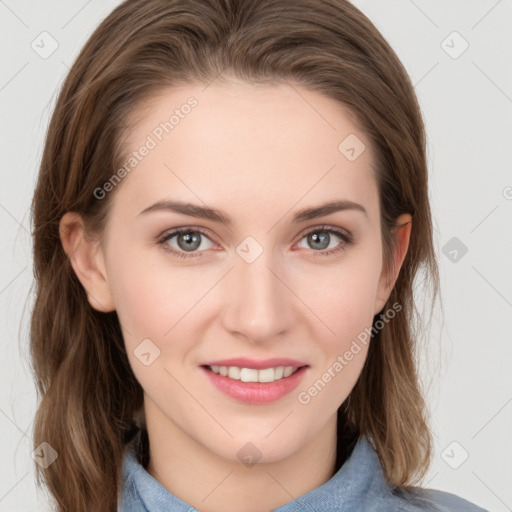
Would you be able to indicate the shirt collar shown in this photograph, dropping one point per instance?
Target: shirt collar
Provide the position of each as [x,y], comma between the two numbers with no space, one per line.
[360,475]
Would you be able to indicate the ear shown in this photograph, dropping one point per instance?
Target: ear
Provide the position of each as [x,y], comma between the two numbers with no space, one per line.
[86,258]
[388,277]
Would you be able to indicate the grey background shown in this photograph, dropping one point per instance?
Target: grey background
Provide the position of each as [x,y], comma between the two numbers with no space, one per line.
[466,100]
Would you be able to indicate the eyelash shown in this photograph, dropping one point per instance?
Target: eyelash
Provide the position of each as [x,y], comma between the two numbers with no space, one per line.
[343,235]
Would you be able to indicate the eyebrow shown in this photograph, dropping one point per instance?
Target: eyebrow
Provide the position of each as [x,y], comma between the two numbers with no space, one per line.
[202,212]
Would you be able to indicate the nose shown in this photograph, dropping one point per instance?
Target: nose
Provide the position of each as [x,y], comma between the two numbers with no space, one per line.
[258,301]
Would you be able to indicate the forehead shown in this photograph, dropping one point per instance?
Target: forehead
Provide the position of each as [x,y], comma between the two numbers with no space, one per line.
[247,144]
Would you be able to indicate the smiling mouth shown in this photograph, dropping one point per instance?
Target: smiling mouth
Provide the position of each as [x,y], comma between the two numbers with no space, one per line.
[263,375]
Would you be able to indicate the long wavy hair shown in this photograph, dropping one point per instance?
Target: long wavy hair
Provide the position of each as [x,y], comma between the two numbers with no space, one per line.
[88,396]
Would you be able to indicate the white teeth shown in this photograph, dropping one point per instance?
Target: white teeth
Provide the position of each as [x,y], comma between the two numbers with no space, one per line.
[234,373]
[253,375]
[248,375]
[266,375]
[288,371]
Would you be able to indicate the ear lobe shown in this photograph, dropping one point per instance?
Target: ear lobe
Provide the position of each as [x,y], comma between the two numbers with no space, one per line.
[86,258]
[401,234]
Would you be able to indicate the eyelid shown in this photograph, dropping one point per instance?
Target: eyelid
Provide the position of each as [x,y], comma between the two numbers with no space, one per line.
[346,238]
[340,231]
[206,232]
[169,233]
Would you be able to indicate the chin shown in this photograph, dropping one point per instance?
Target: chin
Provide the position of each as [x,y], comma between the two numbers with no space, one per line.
[263,447]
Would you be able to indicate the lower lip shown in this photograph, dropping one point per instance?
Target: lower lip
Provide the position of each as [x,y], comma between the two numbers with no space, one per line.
[256,392]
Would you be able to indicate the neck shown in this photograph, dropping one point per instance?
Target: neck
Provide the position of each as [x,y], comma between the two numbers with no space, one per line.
[211,483]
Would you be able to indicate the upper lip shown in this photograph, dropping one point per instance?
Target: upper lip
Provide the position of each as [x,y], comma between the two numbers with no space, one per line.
[257,364]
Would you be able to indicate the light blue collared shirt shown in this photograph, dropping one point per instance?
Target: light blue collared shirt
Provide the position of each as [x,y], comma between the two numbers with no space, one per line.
[358,486]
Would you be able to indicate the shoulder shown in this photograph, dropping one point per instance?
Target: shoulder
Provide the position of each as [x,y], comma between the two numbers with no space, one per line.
[420,499]
[378,496]
[359,485]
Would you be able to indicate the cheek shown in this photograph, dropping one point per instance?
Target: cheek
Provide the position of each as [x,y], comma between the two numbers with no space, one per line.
[346,308]
[150,296]
[345,304]
[154,303]
[343,295]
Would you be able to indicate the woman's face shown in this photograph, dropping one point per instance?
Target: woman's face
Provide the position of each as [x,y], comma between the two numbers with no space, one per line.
[269,284]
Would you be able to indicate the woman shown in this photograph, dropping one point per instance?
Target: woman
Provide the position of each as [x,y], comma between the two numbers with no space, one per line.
[231,210]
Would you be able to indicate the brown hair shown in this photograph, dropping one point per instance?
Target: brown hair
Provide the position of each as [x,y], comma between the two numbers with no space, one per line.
[88,393]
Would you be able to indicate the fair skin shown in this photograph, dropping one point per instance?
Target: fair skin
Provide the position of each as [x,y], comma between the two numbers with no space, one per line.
[259,154]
